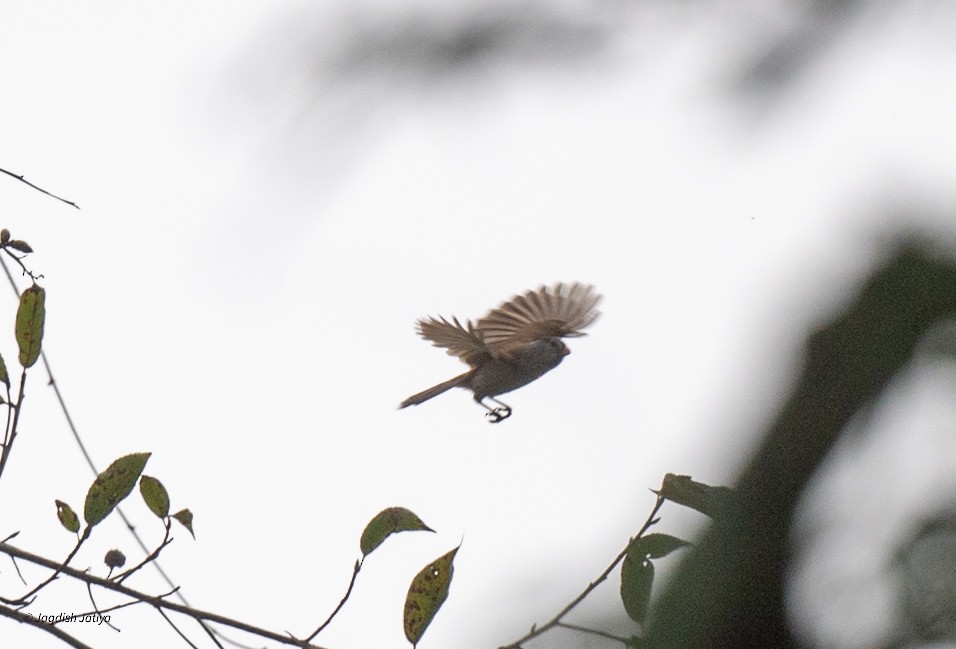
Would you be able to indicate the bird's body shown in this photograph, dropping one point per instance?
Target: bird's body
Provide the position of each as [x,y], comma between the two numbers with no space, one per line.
[513,345]
[519,368]
[501,375]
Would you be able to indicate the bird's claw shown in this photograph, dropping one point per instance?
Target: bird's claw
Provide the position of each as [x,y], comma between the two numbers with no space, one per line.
[498,414]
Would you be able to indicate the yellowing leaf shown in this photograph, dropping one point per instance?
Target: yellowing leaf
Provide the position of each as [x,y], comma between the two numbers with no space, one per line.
[185,518]
[427,593]
[67,516]
[4,377]
[29,328]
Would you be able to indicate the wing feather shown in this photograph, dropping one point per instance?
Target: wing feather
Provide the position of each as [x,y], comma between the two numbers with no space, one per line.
[459,340]
[561,310]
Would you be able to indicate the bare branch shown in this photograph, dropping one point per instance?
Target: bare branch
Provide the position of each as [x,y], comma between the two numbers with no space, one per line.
[157,601]
[39,189]
[26,618]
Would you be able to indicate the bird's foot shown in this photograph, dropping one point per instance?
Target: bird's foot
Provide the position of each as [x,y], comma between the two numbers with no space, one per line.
[498,414]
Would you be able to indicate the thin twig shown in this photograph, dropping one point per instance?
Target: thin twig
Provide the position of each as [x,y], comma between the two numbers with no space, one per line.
[17,568]
[176,628]
[23,267]
[57,569]
[355,572]
[556,620]
[152,555]
[215,635]
[12,433]
[39,189]
[597,632]
[116,607]
[154,600]
[96,609]
[32,620]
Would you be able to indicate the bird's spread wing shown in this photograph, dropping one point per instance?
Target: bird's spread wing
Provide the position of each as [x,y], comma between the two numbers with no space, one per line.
[463,342]
[561,310]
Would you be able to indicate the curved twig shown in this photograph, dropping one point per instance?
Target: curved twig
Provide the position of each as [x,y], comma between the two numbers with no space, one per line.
[355,572]
[556,621]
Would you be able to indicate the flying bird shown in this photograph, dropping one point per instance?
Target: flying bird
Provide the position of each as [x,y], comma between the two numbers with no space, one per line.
[513,345]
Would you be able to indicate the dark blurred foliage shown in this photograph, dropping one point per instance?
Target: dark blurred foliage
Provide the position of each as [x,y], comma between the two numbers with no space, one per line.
[926,565]
[325,82]
[731,591]
[415,47]
[814,29]
[376,52]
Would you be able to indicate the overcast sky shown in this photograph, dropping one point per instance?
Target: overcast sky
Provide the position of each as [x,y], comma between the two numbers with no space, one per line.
[272,194]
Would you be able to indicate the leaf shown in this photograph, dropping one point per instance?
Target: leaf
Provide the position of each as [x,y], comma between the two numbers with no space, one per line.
[637,577]
[67,516]
[427,593]
[4,376]
[708,500]
[29,329]
[637,571]
[22,246]
[655,546]
[154,493]
[387,522]
[185,518]
[111,486]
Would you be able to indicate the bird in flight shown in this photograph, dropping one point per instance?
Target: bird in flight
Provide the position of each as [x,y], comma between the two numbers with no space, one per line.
[512,345]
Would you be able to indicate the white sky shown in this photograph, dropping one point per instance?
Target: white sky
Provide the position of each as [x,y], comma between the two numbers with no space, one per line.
[262,223]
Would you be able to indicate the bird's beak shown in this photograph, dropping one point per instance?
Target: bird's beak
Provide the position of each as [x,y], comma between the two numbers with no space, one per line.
[566,351]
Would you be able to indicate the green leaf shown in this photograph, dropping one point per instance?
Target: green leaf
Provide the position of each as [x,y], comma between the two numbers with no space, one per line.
[29,329]
[387,522]
[111,486]
[4,376]
[637,577]
[427,593]
[67,516]
[154,493]
[185,518]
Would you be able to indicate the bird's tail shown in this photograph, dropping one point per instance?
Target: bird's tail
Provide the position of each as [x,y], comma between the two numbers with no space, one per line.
[434,391]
